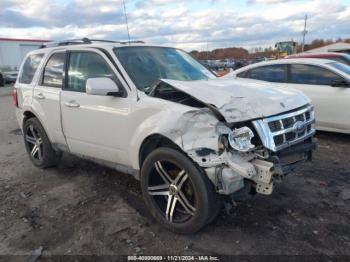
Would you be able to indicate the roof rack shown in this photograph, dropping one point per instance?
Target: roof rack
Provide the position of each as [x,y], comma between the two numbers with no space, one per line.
[85,41]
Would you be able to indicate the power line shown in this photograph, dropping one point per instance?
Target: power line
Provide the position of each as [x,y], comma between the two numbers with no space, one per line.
[126,21]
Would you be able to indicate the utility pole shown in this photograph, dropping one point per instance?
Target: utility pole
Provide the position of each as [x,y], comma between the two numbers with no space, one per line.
[207,51]
[126,21]
[304,34]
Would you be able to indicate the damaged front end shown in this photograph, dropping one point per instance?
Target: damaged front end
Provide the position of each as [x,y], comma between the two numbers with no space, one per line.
[251,153]
[260,153]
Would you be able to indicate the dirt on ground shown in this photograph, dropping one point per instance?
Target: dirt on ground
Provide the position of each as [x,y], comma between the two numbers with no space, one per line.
[80,208]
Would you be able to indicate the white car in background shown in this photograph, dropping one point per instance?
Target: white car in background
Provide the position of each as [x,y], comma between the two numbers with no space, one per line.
[326,82]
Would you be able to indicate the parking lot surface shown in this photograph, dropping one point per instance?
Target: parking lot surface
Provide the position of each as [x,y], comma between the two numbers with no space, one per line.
[80,208]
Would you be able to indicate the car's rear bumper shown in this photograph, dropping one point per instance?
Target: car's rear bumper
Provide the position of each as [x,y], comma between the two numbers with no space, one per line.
[19,116]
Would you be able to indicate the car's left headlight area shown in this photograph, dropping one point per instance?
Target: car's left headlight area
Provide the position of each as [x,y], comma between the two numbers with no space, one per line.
[243,161]
[240,139]
[237,138]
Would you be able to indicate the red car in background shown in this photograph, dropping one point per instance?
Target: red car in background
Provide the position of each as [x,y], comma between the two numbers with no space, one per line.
[339,57]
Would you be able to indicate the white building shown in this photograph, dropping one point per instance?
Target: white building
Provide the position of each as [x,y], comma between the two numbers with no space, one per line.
[337,47]
[12,51]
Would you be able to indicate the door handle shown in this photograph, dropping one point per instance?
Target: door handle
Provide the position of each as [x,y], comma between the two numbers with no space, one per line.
[40,96]
[72,104]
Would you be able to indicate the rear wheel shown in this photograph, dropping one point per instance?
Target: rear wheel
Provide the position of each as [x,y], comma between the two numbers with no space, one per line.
[38,145]
[177,193]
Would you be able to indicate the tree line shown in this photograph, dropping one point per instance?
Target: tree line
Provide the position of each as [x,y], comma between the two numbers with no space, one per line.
[242,53]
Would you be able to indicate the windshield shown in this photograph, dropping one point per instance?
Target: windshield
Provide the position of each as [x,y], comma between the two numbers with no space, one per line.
[146,65]
[342,67]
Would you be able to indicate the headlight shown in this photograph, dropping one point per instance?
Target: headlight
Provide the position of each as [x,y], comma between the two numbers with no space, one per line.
[240,139]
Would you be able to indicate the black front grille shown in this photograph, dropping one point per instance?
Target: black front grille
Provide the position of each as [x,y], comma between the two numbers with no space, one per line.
[275,126]
[301,134]
[288,122]
[307,116]
[290,136]
[278,140]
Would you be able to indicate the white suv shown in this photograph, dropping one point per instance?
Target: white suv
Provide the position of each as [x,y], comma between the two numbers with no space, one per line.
[156,113]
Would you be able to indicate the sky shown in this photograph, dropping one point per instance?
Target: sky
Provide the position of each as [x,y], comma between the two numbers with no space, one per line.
[197,24]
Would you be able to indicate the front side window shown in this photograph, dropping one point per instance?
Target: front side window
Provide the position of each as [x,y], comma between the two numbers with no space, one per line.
[271,73]
[311,75]
[146,65]
[29,68]
[53,72]
[85,65]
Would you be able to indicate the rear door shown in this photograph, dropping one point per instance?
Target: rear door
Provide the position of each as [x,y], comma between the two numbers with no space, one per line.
[27,78]
[46,96]
[94,125]
[330,102]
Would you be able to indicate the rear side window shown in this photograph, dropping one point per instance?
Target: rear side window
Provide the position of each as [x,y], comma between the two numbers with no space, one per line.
[53,72]
[271,73]
[311,75]
[85,65]
[29,68]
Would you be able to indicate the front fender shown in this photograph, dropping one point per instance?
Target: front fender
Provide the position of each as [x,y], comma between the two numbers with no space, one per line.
[187,127]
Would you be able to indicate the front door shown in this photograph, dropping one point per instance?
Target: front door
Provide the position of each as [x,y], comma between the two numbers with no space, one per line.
[94,125]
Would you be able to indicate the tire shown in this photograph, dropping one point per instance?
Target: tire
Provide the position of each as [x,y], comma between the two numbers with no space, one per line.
[38,145]
[215,208]
[171,181]
[215,204]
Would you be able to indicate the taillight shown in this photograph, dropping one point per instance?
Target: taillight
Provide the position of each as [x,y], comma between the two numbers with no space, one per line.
[15,97]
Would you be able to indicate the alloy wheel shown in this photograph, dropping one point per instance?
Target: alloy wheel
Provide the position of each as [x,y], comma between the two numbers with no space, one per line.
[34,143]
[172,192]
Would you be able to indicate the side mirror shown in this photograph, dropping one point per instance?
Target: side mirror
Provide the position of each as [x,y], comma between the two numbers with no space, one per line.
[102,86]
[339,83]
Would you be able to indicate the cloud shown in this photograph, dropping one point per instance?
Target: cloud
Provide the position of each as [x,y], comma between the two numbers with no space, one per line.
[185,24]
[49,13]
[268,1]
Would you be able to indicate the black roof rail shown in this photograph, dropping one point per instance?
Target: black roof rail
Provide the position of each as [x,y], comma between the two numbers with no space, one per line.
[67,42]
[85,40]
[119,42]
[133,42]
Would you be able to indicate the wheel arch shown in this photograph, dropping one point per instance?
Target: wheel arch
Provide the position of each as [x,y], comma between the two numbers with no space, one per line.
[152,142]
[27,114]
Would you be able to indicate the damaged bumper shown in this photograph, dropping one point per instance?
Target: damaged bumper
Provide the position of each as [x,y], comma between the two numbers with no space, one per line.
[229,176]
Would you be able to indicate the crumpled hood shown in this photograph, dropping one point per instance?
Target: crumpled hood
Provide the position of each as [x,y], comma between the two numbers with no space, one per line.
[241,100]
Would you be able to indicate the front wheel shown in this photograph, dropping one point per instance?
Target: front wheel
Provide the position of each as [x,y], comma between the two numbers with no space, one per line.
[177,193]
